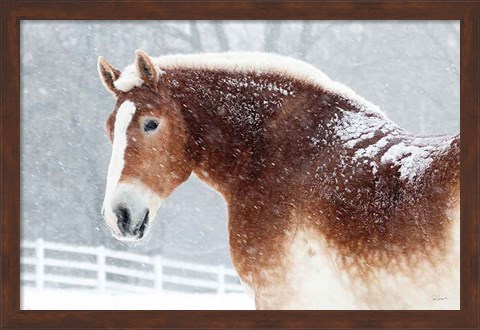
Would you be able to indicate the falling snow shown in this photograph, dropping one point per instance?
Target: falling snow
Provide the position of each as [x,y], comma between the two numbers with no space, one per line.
[65,151]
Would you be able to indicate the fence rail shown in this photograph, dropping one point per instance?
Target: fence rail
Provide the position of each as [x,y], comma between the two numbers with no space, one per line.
[99,268]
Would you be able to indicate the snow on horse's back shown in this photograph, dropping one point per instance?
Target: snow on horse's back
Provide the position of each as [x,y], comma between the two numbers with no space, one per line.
[331,205]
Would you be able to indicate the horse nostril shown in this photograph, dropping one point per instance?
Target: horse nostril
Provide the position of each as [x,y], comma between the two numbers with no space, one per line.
[123,218]
[140,230]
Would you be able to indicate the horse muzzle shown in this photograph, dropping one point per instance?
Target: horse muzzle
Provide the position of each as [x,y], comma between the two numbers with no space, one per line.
[129,210]
[129,227]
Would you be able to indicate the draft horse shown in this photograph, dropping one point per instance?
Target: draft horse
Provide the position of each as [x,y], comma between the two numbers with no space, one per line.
[330,204]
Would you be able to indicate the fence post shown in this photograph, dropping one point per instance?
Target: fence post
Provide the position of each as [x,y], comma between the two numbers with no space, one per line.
[158,269]
[221,279]
[39,265]
[102,274]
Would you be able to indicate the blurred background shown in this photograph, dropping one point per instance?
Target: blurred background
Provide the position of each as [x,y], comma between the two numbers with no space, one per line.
[409,69]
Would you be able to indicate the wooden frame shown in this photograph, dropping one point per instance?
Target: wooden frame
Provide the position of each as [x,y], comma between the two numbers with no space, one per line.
[468,12]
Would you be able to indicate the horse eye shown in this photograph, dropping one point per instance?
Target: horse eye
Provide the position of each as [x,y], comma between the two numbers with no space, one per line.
[150,125]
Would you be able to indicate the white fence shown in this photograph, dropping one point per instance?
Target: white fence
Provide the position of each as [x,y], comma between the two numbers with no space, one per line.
[46,264]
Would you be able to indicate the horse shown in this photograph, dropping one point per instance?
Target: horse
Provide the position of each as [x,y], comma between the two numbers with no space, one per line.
[331,205]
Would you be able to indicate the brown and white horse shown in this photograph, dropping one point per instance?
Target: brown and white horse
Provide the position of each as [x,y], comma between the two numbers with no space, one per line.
[330,204]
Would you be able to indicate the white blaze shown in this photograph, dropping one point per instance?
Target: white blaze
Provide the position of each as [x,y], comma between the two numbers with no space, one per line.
[122,121]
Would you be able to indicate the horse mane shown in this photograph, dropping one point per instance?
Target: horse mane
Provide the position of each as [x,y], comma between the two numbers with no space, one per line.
[257,62]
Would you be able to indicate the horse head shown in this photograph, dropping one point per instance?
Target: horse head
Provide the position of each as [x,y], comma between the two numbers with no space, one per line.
[149,149]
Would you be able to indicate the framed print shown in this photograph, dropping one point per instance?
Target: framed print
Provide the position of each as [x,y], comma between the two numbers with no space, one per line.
[248,165]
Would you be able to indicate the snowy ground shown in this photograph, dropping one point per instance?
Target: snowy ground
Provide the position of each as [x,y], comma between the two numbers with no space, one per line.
[50,299]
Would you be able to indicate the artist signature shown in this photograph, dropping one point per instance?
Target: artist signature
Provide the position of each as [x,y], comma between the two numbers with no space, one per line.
[437,297]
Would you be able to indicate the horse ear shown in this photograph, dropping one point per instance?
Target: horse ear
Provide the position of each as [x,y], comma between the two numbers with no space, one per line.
[108,74]
[146,70]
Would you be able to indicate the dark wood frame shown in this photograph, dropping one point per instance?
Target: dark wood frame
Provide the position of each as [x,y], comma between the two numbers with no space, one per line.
[467,12]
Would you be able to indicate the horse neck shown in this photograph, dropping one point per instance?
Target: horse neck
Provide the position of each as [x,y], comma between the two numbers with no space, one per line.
[242,125]
[225,114]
